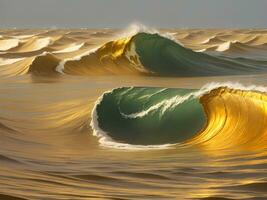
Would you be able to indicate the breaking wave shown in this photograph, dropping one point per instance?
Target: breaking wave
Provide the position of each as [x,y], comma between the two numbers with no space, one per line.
[142,53]
[217,116]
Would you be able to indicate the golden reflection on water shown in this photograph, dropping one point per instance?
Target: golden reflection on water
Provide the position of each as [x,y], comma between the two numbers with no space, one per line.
[235,119]
[47,149]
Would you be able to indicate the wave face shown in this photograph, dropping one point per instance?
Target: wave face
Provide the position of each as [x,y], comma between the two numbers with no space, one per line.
[150,115]
[218,117]
[236,118]
[164,56]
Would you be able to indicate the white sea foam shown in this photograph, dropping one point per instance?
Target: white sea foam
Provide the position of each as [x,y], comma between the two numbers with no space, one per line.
[163,106]
[200,50]
[136,28]
[134,58]
[60,67]
[208,40]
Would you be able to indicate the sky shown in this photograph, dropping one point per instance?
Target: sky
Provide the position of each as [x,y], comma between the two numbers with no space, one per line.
[121,13]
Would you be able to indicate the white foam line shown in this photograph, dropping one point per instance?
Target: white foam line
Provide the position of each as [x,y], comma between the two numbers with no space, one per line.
[131,53]
[163,105]
[234,85]
[200,50]
[177,100]
[61,65]
[137,27]
[208,40]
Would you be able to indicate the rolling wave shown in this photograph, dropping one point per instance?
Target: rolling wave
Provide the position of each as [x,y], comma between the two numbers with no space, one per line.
[153,54]
[223,116]
[15,67]
[70,48]
[44,65]
[214,138]
[238,47]
[6,44]
[258,40]
[31,45]
[139,54]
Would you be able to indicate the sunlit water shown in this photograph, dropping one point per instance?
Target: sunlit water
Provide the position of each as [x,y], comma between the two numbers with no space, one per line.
[48,151]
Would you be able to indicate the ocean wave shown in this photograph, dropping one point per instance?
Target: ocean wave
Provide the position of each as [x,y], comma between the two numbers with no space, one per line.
[44,65]
[70,48]
[222,115]
[238,47]
[259,39]
[31,45]
[141,52]
[208,40]
[15,67]
[154,54]
[6,44]
[9,61]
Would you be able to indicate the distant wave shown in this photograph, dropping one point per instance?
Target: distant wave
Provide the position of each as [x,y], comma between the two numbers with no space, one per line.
[217,116]
[33,44]
[6,44]
[69,48]
[237,47]
[9,61]
[139,54]
[146,53]
[44,65]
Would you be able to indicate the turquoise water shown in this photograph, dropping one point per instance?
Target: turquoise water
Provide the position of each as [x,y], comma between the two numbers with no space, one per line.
[150,115]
